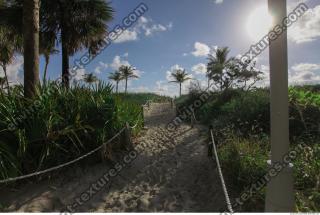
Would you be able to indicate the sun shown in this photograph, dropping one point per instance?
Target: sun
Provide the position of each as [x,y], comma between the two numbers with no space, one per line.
[259,23]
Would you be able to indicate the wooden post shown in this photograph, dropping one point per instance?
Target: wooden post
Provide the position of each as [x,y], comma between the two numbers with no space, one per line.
[192,120]
[280,194]
[127,136]
[142,115]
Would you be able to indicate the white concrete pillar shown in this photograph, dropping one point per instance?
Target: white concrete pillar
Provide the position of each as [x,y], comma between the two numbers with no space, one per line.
[280,194]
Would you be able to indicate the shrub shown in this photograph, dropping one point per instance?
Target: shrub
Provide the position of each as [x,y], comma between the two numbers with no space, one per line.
[58,125]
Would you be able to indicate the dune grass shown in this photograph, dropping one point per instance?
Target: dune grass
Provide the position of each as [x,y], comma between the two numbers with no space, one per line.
[242,126]
[59,125]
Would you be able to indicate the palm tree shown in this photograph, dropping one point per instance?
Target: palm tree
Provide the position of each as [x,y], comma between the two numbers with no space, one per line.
[80,24]
[47,48]
[9,44]
[180,76]
[90,78]
[127,72]
[116,77]
[31,28]
[208,75]
[74,24]
[217,64]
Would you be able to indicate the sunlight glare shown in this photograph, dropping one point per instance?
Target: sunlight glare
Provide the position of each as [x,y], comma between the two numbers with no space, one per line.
[259,23]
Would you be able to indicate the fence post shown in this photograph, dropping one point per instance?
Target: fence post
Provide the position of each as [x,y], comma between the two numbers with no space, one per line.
[127,136]
[142,115]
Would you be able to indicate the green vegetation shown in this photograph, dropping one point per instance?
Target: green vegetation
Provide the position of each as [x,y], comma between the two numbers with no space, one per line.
[143,98]
[58,125]
[180,76]
[241,122]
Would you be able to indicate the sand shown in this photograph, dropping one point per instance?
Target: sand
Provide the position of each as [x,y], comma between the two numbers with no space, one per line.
[171,173]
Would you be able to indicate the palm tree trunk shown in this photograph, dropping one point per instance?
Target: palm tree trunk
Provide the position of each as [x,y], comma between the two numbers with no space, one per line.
[6,76]
[126,85]
[180,88]
[47,58]
[117,87]
[65,60]
[31,46]
[208,83]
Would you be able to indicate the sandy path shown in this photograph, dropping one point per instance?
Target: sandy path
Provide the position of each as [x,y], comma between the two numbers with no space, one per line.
[172,173]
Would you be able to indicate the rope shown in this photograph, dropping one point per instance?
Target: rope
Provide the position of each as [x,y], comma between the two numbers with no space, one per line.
[62,165]
[221,175]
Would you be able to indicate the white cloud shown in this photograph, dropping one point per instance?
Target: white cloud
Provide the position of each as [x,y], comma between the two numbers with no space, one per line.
[79,75]
[13,71]
[200,68]
[307,28]
[304,73]
[305,67]
[174,87]
[172,69]
[126,54]
[144,26]
[117,62]
[218,1]
[154,28]
[201,49]
[102,66]
[126,36]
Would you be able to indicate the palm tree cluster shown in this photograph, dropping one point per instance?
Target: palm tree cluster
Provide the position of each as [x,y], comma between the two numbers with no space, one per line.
[227,72]
[73,25]
[124,72]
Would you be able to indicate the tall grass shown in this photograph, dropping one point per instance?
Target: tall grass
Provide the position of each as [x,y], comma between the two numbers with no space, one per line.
[142,98]
[58,125]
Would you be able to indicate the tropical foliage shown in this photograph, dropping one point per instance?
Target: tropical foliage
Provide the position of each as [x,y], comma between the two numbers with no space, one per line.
[241,121]
[116,77]
[227,72]
[73,24]
[180,76]
[90,78]
[127,72]
[58,125]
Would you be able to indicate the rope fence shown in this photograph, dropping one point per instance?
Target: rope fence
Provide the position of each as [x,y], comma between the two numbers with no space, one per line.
[224,187]
[75,160]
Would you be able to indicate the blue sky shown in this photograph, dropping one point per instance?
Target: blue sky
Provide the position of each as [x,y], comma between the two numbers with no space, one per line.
[180,33]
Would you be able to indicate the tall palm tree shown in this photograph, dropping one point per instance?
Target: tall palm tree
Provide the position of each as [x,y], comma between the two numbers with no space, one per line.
[127,72]
[47,48]
[80,24]
[180,76]
[75,24]
[90,78]
[116,77]
[217,64]
[31,27]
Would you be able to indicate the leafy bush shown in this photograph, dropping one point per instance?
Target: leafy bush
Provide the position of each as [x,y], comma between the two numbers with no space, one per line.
[242,123]
[58,125]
